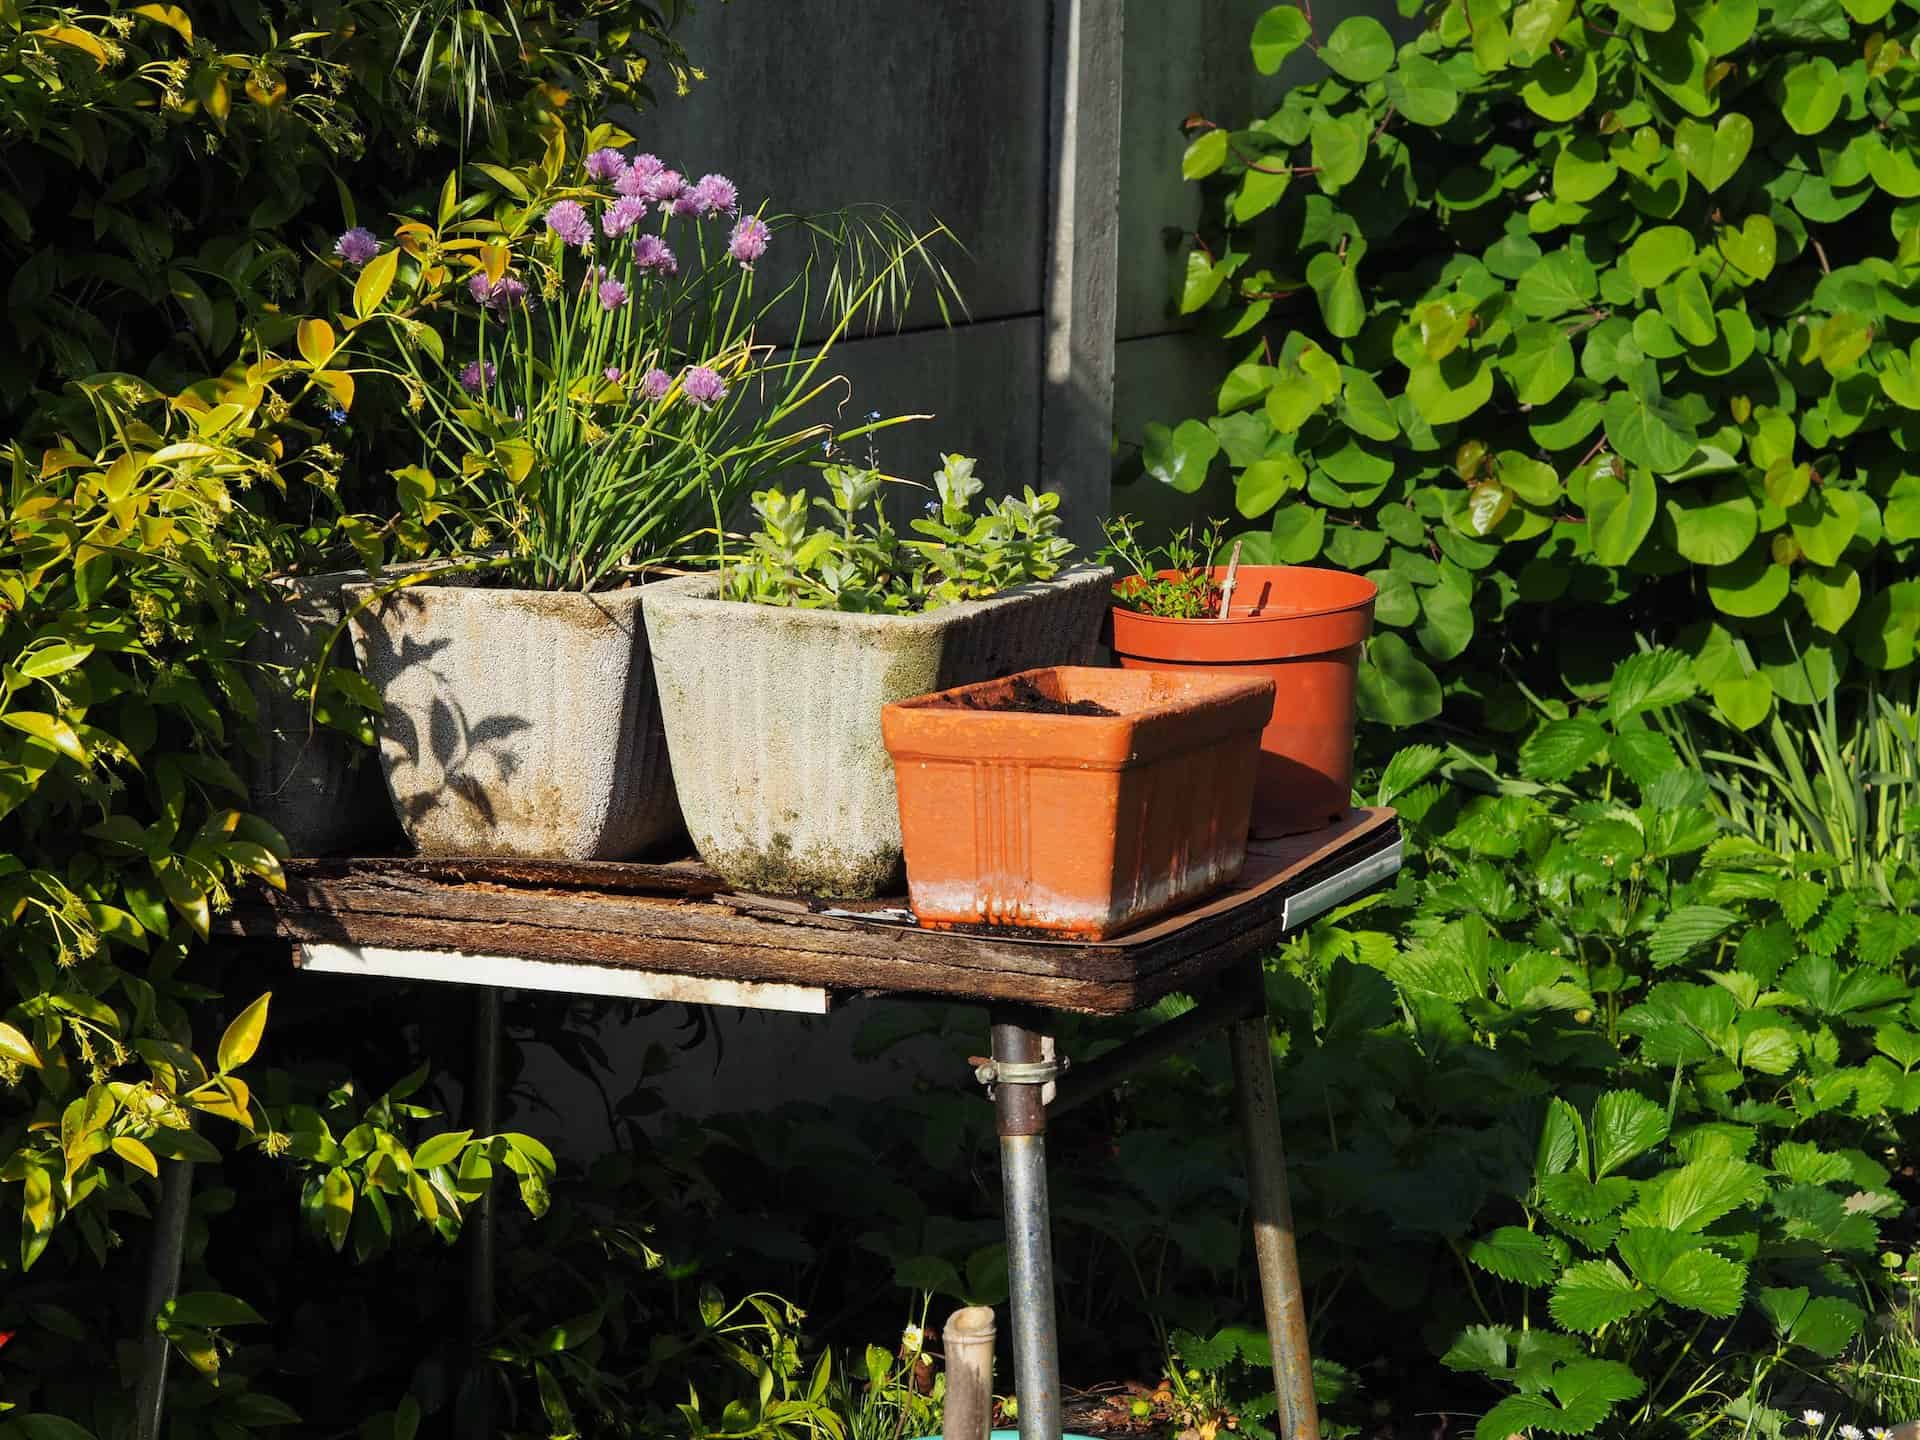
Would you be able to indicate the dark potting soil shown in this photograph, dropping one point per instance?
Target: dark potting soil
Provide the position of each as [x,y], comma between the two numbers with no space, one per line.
[1026,698]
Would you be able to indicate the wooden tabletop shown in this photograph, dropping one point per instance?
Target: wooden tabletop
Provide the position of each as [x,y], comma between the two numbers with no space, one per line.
[680,919]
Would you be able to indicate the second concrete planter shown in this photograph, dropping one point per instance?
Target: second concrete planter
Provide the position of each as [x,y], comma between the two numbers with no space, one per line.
[518,722]
[319,788]
[773,716]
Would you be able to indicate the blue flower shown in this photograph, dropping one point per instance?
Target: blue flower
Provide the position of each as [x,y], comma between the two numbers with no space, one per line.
[336,416]
[873,414]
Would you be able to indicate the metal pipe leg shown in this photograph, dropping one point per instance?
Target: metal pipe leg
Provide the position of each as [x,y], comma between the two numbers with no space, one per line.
[475,1403]
[1022,1115]
[1273,1229]
[163,1283]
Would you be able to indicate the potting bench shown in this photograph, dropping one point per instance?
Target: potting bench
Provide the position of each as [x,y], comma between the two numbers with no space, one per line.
[674,932]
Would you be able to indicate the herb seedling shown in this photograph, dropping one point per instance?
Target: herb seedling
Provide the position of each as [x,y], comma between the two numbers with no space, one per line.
[858,561]
[1174,581]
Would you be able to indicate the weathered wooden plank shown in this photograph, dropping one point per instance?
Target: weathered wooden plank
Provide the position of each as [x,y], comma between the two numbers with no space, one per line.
[487,907]
[735,958]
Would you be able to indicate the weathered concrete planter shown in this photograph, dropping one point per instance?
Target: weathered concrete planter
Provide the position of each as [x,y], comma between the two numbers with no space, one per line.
[317,787]
[518,722]
[773,716]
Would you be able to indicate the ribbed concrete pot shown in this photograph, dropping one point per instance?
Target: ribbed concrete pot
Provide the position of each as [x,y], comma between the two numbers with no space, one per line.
[773,716]
[518,722]
[320,789]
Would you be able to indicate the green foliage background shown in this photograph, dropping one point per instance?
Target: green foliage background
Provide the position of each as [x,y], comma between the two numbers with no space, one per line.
[1569,322]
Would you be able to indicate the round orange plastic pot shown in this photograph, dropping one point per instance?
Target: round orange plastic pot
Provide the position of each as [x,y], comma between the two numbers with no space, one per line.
[1303,628]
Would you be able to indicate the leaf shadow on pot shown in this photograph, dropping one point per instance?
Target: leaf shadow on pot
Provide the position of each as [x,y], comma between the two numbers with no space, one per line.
[469,754]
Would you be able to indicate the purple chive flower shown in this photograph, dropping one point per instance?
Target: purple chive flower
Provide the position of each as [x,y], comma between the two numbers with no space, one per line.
[567,220]
[605,164]
[478,376]
[650,252]
[703,385]
[623,215]
[614,374]
[716,195]
[655,383]
[682,204]
[612,294]
[749,240]
[357,246]
[633,180]
[665,186]
[498,294]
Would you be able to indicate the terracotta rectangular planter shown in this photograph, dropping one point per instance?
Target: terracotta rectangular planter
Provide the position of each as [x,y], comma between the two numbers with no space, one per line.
[1082,824]
[773,716]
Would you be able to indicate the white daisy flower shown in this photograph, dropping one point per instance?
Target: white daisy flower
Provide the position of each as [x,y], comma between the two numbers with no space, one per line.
[1851,1432]
[913,1340]
[1813,1419]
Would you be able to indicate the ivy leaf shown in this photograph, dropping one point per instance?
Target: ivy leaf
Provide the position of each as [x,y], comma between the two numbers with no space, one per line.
[1715,530]
[1810,95]
[1180,457]
[1831,595]
[1422,91]
[1203,278]
[1658,254]
[1647,433]
[1205,155]
[1751,586]
[1516,1254]
[1540,363]
[1338,290]
[1824,521]
[1276,35]
[1713,156]
[1262,485]
[1619,516]
[1451,390]
[1359,49]
[1394,686]
[1339,150]
[1555,284]
[1560,86]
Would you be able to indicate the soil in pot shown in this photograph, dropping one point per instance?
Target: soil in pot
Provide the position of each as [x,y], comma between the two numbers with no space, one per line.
[1302,627]
[1075,801]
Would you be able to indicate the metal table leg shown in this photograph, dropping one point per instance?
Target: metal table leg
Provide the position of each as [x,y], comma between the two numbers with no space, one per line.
[474,1405]
[1273,1226]
[1019,1077]
[163,1283]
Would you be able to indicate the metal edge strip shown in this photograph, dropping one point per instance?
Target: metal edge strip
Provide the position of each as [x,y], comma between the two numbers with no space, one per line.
[1315,900]
[512,973]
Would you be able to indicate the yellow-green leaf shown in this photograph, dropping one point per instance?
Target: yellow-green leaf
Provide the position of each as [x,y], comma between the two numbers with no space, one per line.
[374,282]
[243,1035]
[136,1154]
[316,342]
[16,1047]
